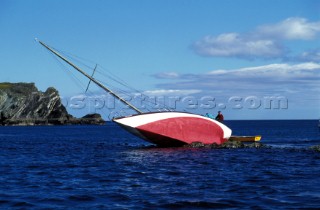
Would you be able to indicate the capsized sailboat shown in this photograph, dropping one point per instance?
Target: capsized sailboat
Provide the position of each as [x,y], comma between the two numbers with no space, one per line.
[167,128]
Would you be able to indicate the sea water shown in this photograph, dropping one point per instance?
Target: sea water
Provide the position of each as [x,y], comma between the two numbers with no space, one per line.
[104,167]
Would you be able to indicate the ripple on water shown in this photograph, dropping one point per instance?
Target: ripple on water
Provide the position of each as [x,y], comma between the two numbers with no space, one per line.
[203,204]
[81,198]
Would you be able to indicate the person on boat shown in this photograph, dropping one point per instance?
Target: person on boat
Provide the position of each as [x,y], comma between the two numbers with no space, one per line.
[219,117]
[209,115]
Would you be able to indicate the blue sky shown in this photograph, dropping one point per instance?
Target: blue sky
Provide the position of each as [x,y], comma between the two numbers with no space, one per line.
[239,53]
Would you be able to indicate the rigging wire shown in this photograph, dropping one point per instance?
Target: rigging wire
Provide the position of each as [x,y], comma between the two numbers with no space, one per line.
[123,83]
[75,79]
[79,60]
[76,58]
[69,73]
[148,102]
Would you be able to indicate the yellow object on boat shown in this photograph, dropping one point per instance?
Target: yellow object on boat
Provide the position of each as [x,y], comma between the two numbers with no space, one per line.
[245,138]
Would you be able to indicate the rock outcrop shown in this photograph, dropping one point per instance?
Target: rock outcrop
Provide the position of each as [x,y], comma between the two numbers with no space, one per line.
[89,119]
[315,148]
[24,104]
[231,144]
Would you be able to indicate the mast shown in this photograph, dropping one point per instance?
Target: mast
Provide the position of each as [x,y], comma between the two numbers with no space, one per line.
[91,78]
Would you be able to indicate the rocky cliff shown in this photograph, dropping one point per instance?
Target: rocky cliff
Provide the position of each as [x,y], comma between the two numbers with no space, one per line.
[24,104]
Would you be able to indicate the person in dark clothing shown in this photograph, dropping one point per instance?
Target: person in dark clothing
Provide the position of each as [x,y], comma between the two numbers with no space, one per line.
[219,117]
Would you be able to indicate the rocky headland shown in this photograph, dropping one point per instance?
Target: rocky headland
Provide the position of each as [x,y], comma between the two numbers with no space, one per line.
[24,104]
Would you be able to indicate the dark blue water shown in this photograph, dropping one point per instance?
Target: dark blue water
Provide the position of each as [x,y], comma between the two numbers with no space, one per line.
[103,167]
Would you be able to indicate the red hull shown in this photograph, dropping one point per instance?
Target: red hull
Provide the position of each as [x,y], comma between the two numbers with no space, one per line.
[175,128]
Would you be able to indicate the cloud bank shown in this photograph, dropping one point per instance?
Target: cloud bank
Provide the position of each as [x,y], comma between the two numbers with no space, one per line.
[277,78]
[266,41]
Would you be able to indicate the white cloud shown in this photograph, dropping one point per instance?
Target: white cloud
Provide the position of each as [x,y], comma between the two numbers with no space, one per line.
[263,42]
[291,28]
[167,75]
[236,45]
[277,70]
[307,56]
[279,78]
[164,92]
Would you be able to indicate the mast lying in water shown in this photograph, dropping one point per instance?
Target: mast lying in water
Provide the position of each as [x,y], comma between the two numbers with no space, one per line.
[91,78]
